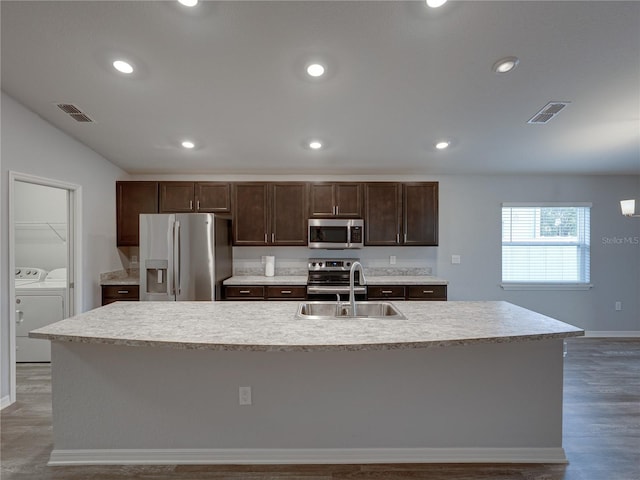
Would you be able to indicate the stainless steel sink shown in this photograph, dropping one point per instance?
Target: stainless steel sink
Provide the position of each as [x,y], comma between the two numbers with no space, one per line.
[333,310]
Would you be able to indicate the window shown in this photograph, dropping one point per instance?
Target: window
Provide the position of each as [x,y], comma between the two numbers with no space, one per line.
[545,244]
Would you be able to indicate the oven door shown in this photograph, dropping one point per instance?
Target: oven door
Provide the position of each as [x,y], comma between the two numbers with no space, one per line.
[330,292]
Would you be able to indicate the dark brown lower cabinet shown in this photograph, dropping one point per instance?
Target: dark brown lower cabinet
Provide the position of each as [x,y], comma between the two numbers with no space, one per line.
[120,293]
[407,292]
[260,292]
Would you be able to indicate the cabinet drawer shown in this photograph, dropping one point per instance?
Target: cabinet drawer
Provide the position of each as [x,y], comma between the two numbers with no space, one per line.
[286,292]
[121,292]
[427,292]
[381,291]
[248,292]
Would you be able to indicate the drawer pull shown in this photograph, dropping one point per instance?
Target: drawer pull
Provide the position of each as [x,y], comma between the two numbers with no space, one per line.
[285,291]
[387,292]
[123,291]
[245,291]
[427,291]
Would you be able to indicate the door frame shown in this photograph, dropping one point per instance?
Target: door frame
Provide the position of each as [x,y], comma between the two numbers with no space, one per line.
[73,297]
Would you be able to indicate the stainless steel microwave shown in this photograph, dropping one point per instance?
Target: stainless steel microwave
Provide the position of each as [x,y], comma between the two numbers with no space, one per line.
[336,233]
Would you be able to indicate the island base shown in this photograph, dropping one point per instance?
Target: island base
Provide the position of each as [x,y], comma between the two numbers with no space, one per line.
[493,402]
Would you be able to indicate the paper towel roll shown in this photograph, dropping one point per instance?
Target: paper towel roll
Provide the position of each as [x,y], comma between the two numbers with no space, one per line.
[269,266]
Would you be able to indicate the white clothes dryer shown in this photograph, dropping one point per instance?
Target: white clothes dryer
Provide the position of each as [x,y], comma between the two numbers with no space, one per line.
[40,300]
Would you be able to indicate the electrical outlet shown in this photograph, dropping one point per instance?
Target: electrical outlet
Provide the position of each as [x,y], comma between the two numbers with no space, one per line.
[392,260]
[244,395]
[455,259]
[618,306]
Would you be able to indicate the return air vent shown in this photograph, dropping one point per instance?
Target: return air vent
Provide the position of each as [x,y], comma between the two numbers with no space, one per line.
[549,111]
[74,112]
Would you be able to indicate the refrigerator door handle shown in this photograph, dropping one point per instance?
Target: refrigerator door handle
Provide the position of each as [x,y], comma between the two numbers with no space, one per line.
[176,257]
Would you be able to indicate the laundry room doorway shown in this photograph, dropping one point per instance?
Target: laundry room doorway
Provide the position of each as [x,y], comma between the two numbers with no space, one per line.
[44,253]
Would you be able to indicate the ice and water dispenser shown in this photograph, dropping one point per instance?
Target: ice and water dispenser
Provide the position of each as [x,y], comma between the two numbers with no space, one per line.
[156,272]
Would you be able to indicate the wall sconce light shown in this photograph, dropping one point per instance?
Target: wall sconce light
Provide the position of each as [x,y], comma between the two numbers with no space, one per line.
[628,208]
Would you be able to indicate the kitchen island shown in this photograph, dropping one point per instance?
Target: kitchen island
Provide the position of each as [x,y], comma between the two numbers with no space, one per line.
[159,382]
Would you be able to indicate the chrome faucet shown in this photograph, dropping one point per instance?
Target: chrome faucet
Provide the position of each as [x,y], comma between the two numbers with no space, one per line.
[363,281]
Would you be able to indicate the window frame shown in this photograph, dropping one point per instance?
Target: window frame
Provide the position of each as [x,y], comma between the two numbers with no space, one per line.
[547,284]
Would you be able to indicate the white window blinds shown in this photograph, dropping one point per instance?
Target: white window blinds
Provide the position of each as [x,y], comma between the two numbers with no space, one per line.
[545,243]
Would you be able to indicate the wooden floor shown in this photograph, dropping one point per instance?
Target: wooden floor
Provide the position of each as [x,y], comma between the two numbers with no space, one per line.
[601,433]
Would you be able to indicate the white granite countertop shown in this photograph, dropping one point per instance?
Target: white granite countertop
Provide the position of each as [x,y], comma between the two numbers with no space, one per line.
[405,280]
[262,280]
[302,280]
[272,326]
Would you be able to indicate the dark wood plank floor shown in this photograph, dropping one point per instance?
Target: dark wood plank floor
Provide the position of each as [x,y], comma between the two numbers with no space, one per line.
[601,433]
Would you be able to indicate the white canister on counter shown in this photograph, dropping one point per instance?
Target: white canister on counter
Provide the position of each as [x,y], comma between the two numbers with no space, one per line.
[269,266]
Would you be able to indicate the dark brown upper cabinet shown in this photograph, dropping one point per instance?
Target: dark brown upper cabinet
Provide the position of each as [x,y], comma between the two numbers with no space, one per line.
[335,200]
[195,197]
[132,199]
[177,197]
[269,213]
[213,197]
[401,214]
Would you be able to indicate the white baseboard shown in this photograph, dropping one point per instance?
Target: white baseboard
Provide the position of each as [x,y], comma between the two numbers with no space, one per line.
[5,401]
[306,456]
[613,334]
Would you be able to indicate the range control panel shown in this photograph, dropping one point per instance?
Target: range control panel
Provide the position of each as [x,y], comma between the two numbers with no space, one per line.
[331,264]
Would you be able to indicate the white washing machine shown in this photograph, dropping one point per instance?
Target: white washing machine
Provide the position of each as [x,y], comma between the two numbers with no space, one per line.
[40,300]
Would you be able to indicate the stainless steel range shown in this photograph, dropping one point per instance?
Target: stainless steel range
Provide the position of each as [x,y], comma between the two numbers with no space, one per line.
[330,276]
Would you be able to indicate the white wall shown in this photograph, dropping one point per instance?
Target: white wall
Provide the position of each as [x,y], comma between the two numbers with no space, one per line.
[470,226]
[40,214]
[32,146]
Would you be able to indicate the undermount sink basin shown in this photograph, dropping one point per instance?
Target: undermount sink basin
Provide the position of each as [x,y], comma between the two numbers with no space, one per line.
[331,310]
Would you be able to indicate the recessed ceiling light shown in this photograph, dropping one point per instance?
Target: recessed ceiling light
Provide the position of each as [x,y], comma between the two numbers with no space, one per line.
[315,70]
[315,145]
[506,64]
[441,145]
[188,144]
[188,3]
[122,66]
[436,3]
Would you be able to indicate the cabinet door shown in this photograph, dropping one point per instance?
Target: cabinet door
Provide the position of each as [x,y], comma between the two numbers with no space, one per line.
[132,199]
[250,213]
[381,292]
[383,213]
[177,197]
[213,197]
[289,214]
[252,292]
[285,292]
[420,217]
[427,292]
[348,199]
[321,200]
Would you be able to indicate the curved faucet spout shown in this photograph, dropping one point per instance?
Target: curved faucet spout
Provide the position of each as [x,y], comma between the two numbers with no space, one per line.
[352,297]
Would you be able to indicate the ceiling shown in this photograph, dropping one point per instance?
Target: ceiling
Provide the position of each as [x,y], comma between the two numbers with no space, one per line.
[400,76]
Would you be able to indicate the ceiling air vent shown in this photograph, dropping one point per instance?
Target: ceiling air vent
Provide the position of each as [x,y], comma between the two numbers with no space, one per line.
[547,112]
[74,112]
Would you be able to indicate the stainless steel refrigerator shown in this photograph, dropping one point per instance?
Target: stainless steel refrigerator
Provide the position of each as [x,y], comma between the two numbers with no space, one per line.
[184,256]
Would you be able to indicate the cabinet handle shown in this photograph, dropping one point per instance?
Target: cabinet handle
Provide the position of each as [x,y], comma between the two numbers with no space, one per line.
[190,204]
[405,238]
[337,209]
[198,205]
[265,238]
[427,291]
[245,292]
[273,238]
[397,238]
[285,291]
[387,292]
[123,291]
